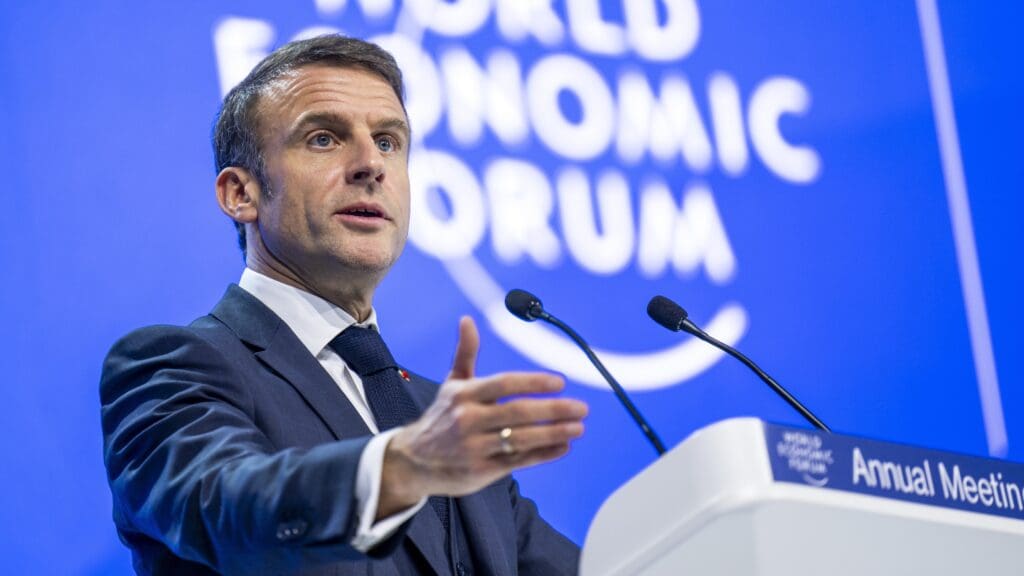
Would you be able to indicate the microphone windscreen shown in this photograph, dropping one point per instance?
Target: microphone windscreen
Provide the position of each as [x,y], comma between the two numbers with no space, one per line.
[522,304]
[666,312]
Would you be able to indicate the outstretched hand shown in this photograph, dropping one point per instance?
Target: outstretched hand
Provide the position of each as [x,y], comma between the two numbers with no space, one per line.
[469,437]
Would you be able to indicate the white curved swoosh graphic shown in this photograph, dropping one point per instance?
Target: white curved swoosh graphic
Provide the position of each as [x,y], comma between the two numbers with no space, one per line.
[814,481]
[545,346]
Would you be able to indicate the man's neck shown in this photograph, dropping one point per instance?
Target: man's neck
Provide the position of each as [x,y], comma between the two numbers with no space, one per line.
[353,299]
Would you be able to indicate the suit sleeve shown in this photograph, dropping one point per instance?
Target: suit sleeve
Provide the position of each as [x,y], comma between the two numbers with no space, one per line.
[189,468]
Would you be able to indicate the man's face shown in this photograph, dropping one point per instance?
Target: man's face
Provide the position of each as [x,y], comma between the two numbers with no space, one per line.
[335,146]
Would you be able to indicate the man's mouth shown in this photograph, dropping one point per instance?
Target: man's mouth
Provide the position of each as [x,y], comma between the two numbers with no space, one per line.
[364,211]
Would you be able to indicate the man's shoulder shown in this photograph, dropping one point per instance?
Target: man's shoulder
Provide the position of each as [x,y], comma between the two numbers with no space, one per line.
[160,361]
[202,334]
[201,342]
[212,331]
[207,343]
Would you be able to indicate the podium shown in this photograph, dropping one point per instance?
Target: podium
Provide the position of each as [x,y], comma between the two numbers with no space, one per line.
[744,497]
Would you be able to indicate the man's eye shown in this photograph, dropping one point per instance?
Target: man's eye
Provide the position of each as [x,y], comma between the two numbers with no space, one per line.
[322,140]
[386,144]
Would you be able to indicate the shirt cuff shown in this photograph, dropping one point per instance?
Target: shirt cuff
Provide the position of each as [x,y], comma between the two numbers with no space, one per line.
[368,477]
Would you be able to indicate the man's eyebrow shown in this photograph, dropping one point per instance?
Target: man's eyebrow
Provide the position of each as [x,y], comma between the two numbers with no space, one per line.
[337,121]
[317,119]
[394,124]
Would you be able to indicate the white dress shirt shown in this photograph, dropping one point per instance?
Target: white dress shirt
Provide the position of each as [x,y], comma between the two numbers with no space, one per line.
[316,322]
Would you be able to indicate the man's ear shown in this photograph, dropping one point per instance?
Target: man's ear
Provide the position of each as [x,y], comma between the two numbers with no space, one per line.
[238,194]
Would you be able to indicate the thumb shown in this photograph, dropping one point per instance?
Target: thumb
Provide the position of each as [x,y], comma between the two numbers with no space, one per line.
[464,363]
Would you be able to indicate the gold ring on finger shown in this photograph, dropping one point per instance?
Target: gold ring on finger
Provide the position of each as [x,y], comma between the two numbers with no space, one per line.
[505,436]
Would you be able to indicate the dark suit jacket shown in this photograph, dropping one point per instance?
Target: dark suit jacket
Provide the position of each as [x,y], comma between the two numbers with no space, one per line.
[229,449]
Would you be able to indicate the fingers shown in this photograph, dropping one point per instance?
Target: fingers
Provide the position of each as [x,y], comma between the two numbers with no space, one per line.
[456,446]
[464,363]
[500,386]
[525,440]
[539,456]
[522,412]
[530,410]
[475,409]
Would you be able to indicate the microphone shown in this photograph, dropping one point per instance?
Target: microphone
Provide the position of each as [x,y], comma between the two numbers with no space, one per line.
[524,305]
[528,307]
[674,317]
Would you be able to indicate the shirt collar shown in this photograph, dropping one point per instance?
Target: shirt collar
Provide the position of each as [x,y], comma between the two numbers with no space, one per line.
[314,320]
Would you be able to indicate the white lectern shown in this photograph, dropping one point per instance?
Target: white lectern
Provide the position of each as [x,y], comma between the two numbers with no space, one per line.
[743,497]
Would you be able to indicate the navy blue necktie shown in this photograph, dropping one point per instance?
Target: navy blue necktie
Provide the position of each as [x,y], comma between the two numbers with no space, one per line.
[365,353]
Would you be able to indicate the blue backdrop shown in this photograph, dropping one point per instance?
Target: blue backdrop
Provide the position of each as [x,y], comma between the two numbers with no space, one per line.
[831,186]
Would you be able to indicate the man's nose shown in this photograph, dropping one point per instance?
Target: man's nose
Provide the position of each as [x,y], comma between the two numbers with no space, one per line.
[365,164]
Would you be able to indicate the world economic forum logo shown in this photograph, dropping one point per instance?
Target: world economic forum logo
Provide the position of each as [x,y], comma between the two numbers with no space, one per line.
[583,107]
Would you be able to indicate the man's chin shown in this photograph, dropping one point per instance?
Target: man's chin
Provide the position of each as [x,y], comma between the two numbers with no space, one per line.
[364,264]
[367,257]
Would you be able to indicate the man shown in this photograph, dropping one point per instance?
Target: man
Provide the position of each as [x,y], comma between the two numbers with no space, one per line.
[245,442]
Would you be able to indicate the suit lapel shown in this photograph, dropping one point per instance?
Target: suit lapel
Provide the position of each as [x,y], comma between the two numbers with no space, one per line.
[427,535]
[293,362]
[488,545]
[426,531]
[282,352]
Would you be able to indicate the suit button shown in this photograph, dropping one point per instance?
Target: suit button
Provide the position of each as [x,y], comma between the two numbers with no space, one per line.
[291,530]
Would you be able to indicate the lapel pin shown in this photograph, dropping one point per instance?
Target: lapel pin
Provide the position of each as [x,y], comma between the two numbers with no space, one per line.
[404,375]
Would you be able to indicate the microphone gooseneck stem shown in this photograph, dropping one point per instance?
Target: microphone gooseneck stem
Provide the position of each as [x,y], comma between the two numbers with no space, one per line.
[619,391]
[693,329]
